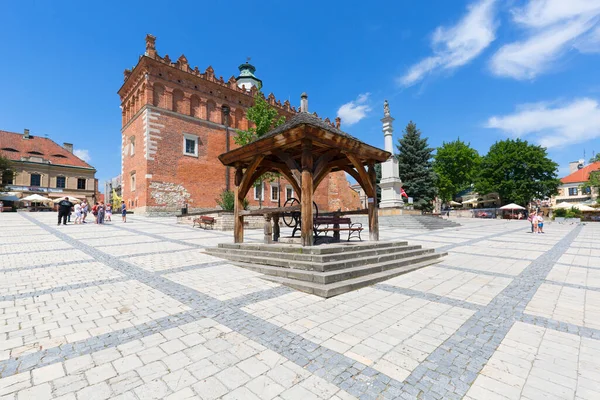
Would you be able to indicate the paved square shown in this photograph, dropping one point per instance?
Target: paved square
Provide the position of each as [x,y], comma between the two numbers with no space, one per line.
[140,311]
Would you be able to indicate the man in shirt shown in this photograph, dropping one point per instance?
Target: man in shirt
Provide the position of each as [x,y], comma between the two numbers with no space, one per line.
[64,209]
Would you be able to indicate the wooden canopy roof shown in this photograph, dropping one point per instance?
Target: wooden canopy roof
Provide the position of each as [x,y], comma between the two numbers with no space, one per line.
[287,138]
[305,149]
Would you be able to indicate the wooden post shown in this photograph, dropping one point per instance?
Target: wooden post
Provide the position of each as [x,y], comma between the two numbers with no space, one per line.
[372,202]
[238,220]
[336,233]
[306,206]
[268,230]
[276,227]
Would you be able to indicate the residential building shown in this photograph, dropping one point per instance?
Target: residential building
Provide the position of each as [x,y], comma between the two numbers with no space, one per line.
[571,189]
[44,167]
[177,120]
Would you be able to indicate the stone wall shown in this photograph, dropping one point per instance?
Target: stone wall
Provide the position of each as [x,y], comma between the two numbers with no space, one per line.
[224,220]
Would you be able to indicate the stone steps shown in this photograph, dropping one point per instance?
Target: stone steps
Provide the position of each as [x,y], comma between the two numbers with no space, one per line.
[328,270]
[344,260]
[337,288]
[337,275]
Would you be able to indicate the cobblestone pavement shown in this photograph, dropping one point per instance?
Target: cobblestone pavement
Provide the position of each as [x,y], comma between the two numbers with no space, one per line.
[139,311]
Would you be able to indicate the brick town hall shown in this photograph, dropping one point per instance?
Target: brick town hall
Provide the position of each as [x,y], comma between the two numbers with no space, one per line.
[176,120]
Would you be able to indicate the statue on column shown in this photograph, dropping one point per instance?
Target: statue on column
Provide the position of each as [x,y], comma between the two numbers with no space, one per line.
[386,108]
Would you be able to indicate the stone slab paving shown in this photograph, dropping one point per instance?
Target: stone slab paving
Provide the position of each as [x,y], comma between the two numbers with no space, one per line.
[139,311]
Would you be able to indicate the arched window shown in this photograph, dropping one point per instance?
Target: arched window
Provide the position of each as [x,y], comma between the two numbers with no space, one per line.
[195,106]
[211,112]
[239,119]
[177,100]
[132,145]
[158,95]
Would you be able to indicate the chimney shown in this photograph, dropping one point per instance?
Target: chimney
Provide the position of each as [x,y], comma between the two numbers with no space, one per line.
[304,102]
[26,134]
[68,147]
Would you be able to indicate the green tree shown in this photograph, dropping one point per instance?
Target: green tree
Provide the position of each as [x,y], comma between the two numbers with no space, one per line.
[456,165]
[6,172]
[596,158]
[416,171]
[377,180]
[518,171]
[264,118]
[593,183]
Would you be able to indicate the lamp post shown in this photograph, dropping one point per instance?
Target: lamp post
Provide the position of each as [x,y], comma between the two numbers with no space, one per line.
[225,109]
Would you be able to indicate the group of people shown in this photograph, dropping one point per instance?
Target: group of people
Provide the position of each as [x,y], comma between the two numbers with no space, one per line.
[537,221]
[101,212]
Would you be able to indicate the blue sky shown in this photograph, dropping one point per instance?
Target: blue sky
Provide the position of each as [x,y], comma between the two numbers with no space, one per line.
[481,70]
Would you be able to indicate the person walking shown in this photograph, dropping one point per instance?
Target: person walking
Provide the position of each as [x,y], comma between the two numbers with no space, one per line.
[95,212]
[109,212]
[77,213]
[100,210]
[123,211]
[84,211]
[64,209]
[540,222]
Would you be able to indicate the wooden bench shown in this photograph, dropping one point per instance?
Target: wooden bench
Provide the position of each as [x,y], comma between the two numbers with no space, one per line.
[332,224]
[204,220]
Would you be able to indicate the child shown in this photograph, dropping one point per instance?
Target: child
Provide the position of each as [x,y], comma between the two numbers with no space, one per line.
[123,211]
[108,212]
[540,223]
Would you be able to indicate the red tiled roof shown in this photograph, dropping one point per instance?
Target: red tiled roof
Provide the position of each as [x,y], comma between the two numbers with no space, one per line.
[49,149]
[582,174]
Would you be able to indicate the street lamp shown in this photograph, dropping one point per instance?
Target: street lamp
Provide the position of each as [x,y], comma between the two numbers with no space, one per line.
[225,109]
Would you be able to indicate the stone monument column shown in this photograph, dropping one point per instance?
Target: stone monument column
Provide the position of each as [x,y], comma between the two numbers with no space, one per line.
[390,183]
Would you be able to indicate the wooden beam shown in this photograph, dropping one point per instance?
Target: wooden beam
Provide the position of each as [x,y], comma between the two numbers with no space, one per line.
[352,172]
[372,203]
[291,164]
[306,206]
[321,167]
[318,179]
[290,178]
[246,179]
[366,185]
[238,220]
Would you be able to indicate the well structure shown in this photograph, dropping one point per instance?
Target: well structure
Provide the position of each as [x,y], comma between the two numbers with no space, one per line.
[304,150]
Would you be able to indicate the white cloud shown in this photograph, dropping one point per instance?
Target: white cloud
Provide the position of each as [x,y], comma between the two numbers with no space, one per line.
[543,13]
[354,111]
[589,43]
[83,154]
[553,125]
[553,27]
[456,46]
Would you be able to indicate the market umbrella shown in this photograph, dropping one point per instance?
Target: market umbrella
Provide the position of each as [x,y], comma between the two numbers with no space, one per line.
[564,204]
[455,203]
[513,207]
[10,196]
[35,197]
[71,199]
[583,207]
[472,201]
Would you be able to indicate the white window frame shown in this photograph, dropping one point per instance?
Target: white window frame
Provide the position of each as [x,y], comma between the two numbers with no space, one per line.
[188,136]
[274,185]
[262,192]
[286,192]
[132,148]
[132,181]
